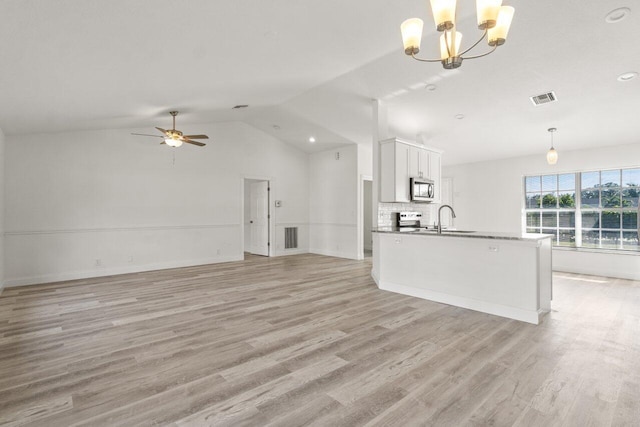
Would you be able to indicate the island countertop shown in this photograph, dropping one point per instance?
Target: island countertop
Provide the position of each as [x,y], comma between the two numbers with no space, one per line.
[463,233]
[505,274]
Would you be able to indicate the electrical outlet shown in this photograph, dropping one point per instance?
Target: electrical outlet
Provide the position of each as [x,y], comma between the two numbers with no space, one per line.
[98,262]
[398,240]
[218,252]
[494,248]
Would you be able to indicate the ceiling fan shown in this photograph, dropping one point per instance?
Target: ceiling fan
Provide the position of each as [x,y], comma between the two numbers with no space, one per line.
[175,138]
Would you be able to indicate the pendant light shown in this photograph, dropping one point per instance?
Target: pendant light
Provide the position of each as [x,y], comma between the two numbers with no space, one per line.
[552,154]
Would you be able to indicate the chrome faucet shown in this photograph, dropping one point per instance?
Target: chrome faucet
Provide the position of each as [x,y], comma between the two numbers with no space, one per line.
[453,214]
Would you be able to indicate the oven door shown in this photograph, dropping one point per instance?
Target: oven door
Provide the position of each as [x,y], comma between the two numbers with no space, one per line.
[422,190]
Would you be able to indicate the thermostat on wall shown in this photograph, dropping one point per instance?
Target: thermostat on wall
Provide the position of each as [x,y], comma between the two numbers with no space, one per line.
[278,203]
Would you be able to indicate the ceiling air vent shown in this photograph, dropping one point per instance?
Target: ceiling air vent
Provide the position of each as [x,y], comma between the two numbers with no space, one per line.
[545,98]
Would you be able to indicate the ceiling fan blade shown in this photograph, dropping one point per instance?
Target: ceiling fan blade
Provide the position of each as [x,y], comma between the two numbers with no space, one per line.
[161,130]
[146,134]
[196,136]
[199,144]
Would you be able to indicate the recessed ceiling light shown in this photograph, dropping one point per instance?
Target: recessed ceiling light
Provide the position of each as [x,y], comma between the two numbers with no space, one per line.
[430,87]
[459,116]
[312,139]
[617,15]
[625,77]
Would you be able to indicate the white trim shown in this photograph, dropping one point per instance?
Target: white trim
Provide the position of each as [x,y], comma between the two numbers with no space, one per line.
[413,144]
[337,254]
[295,251]
[528,316]
[333,224]
[597,250]
[271,212]
[118,229]
[597,272]
[88,274]
[360,213]
[292,224]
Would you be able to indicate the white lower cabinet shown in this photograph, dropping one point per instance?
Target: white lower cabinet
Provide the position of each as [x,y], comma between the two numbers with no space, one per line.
[401,160]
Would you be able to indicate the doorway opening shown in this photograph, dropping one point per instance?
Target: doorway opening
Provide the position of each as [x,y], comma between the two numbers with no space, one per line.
[366,209]
[257,217]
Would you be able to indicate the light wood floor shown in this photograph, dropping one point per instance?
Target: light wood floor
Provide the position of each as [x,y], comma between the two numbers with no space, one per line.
[309,339]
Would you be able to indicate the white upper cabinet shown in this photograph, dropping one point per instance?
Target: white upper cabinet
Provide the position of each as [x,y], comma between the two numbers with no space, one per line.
[401,160]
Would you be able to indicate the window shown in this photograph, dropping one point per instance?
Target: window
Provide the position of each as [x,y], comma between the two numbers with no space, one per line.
[594,209]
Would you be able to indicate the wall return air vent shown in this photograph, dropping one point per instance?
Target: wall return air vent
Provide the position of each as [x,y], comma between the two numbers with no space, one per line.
[544,98]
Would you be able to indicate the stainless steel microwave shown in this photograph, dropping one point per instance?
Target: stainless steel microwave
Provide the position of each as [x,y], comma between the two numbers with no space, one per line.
[422,190]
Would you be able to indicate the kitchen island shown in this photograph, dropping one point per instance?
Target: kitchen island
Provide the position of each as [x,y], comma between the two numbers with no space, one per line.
[504,274]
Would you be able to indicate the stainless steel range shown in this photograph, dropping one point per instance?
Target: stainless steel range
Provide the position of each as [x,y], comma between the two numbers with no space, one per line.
[407,221]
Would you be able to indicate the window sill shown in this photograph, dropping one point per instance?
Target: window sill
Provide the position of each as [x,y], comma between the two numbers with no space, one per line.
[597,251]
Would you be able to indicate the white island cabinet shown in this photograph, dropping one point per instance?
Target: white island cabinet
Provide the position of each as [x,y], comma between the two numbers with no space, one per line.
[507,275]
[401,160]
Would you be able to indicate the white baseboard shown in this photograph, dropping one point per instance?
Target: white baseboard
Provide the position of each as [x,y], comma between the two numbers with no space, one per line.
[87,274]
[337,254]
[598,263]
[285,252]
[601,272]
[469,303]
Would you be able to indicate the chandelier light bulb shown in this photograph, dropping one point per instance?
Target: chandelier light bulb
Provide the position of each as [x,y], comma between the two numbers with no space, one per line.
[453,39]
[487,11]
[498,34]
[411,35]
[444,14]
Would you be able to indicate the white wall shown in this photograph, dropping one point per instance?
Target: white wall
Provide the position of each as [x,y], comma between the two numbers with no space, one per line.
[488,197]
[333,202]
[247,215]
[367,216]
[2,183]
[74,198]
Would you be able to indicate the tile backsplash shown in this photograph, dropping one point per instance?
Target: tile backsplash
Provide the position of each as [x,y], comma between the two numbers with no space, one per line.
[385,212]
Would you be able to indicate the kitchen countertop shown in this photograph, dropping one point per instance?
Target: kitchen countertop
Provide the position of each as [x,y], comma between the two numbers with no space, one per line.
[463,233]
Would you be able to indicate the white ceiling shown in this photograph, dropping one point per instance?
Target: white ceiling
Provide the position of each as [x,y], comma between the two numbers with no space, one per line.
[313,67]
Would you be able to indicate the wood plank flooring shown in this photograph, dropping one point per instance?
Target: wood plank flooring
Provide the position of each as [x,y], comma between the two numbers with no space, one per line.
[310,340]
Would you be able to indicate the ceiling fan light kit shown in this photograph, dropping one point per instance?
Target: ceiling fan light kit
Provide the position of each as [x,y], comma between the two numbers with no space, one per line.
[175,138]
[492,18]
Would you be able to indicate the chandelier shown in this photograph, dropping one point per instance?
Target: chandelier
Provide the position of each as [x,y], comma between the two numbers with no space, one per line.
[493,19]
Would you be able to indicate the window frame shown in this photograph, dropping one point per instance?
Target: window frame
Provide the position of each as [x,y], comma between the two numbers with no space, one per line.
[578,211]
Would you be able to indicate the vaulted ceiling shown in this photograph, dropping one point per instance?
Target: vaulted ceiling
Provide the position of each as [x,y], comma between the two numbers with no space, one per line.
[312,68]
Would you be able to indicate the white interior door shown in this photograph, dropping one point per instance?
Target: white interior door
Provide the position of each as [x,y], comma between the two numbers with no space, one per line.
[259,221]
